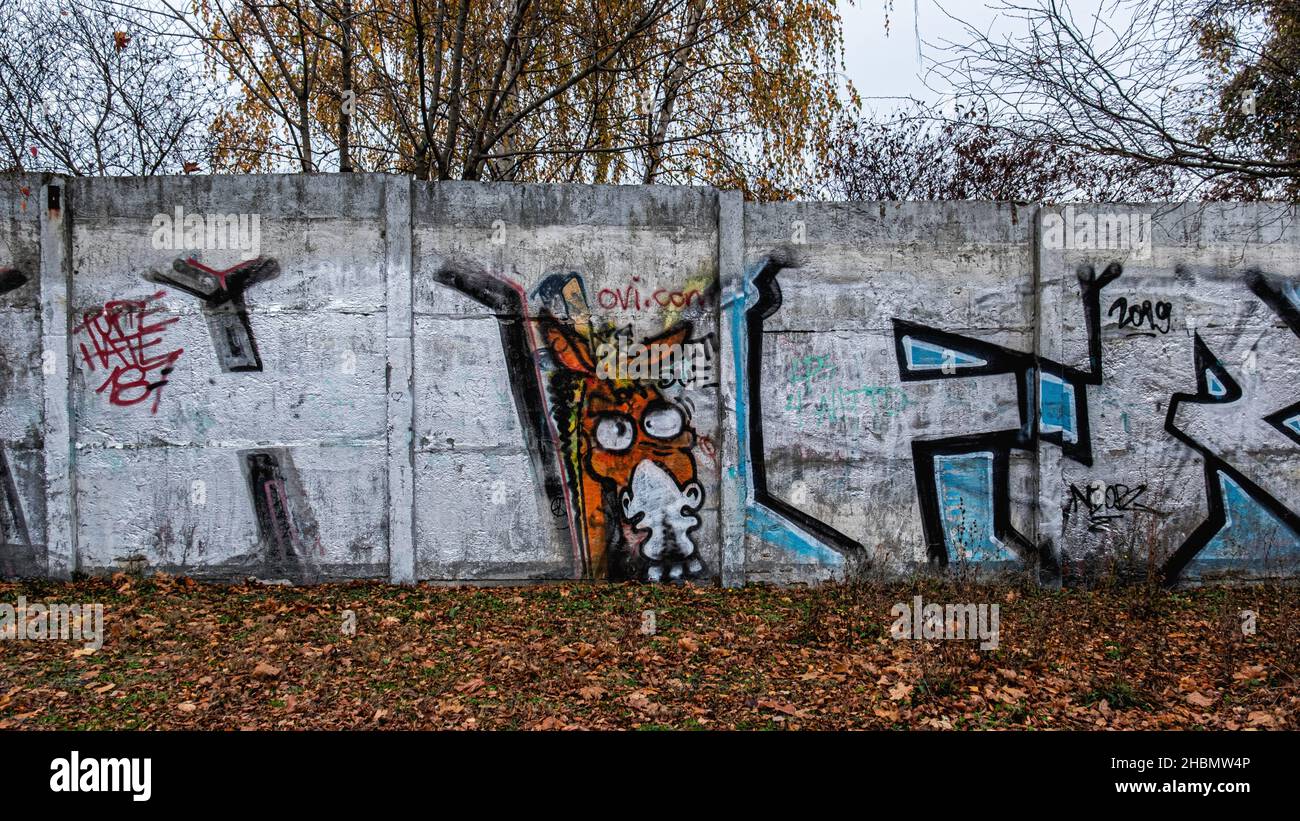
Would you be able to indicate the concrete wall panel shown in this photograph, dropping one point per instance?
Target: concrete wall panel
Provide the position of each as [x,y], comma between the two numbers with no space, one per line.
[373,377]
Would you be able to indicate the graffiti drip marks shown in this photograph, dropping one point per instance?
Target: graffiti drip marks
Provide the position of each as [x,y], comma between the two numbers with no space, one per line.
[126,342]
[966,512]
[222,292]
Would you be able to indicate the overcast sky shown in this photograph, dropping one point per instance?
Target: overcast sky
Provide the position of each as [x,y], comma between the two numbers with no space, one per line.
[887,66]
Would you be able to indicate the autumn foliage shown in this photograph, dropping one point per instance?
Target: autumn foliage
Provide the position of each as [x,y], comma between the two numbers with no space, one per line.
[180,654]
[736,93]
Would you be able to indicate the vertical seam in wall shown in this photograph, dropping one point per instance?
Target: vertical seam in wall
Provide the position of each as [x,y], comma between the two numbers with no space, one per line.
[408,321]
[731,286]
[1036,268]
[399,378]
[65,244]
[59,455]
[721,420]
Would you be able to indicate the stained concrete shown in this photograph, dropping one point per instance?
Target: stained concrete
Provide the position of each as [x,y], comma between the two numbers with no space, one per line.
[882,391]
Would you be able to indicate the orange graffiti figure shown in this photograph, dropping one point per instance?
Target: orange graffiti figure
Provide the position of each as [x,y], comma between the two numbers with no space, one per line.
[628,449]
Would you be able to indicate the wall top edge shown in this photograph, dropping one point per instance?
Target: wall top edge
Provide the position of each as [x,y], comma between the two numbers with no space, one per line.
[44,177]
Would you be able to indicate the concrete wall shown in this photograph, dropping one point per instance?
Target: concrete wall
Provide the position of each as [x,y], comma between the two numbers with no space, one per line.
[22,382]
[343,376]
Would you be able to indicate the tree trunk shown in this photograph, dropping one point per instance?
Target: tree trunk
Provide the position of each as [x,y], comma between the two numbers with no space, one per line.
[349,98]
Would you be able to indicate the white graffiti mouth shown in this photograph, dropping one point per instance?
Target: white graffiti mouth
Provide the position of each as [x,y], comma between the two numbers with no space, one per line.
[654,504]
[674,571]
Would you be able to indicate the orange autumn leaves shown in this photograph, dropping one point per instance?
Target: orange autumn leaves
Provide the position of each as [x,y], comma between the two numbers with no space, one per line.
[180,654]
[736,93]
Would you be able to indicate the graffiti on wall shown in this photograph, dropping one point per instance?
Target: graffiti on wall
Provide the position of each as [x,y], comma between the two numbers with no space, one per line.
[816,397]
[613,455]
[766,515]
[288,536]
[16,549]
[124,340]
[222,292]
[1283,297]
[627,444]
[1101,505]
[601,434]
[1246,524]
[508,303]
[624,462]
[11,279]
[963,481]
[1142,318]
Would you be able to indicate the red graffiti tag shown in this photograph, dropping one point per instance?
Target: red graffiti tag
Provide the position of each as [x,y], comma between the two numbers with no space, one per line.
[632,297]
[124,339]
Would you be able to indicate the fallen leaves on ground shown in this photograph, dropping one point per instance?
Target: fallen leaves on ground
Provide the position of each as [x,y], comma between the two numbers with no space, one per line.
[182,654]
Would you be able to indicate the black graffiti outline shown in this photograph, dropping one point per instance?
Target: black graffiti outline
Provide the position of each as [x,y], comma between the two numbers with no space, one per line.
[223,293]
[1263,287]
[11,279]
[1272,296]
[999,444]
[1205,361]
[288,534]
[1279,418]
[998,359]
[768,303]
[13,520]
[508,304]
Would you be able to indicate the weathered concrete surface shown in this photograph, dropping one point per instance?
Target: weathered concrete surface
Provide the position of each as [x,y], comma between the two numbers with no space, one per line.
[1151,492]
[838,422]
[171,484]
[22,381]
[378,378]
[481,511]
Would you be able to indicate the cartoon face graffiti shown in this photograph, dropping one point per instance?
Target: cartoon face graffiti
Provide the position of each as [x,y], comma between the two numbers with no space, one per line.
[629,450]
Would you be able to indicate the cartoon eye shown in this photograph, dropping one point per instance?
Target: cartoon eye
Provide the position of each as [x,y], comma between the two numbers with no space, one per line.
[615,432]
[663,422]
